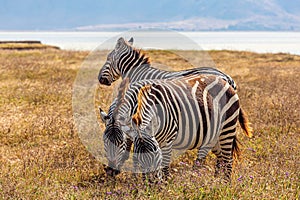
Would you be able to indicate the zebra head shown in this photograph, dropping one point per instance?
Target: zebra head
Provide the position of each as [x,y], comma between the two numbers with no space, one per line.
[111,70]
[114,144]
[147,155]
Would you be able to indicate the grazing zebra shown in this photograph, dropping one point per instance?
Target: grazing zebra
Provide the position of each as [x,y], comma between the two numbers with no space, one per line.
[126,61]
[193,112]
[151,161]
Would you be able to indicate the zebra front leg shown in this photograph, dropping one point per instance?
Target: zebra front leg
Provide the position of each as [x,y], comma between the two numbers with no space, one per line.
[136,169]
[127,150]
[166,154]
[201,156]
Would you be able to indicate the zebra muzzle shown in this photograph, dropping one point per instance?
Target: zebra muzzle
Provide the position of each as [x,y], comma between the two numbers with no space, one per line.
[111,171]
[104,81]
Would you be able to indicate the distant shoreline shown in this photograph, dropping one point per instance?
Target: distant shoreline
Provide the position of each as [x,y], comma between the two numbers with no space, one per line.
[21,41]
[25,45]
[260,42]
[38,45]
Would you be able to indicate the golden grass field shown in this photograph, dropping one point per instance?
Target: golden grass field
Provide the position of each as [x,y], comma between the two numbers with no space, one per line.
[42,157]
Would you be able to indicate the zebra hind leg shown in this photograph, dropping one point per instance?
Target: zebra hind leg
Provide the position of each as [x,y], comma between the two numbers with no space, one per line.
[235,153]
[228,170]
[225,158]
[229,149]
[217,151]
[165,173]
[223,167]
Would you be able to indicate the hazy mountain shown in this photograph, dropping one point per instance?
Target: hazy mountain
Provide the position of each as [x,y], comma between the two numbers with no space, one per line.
[129,14]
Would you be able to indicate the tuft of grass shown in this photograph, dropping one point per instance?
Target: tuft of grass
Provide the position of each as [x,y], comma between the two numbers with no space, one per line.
[42,157]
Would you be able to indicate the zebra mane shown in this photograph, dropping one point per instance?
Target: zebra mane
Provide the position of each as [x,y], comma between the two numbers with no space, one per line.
[139,54]
[142,56]
[137,118]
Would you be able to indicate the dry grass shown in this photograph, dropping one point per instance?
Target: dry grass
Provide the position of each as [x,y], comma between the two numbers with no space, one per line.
[41,155]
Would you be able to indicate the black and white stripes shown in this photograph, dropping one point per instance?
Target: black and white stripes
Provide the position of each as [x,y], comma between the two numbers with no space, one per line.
[160,111]
[188,113]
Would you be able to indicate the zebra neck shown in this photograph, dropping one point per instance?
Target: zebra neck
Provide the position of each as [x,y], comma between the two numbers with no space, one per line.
[132,70]
[144,71]
[132,59]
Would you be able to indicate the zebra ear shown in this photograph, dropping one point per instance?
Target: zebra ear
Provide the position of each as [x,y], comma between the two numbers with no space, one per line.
[130,41]
[104,116]
[137,131]
[119,43]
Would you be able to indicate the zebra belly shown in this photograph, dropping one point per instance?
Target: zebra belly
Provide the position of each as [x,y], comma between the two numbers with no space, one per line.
[190,131]
[197,128]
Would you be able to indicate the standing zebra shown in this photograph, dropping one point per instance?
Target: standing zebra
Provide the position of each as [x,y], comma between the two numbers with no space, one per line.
[126,61]
[193,112]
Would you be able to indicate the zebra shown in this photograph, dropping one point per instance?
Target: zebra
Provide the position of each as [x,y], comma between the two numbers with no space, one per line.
[160,111]
[127,61]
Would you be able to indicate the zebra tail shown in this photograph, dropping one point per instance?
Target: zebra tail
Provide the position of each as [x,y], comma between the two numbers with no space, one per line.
[236,151]
[245,124]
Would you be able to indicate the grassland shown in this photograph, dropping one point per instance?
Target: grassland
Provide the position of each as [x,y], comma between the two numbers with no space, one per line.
[42,157]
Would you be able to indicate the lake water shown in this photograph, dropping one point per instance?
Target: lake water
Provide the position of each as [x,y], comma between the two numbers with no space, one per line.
[270,42]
